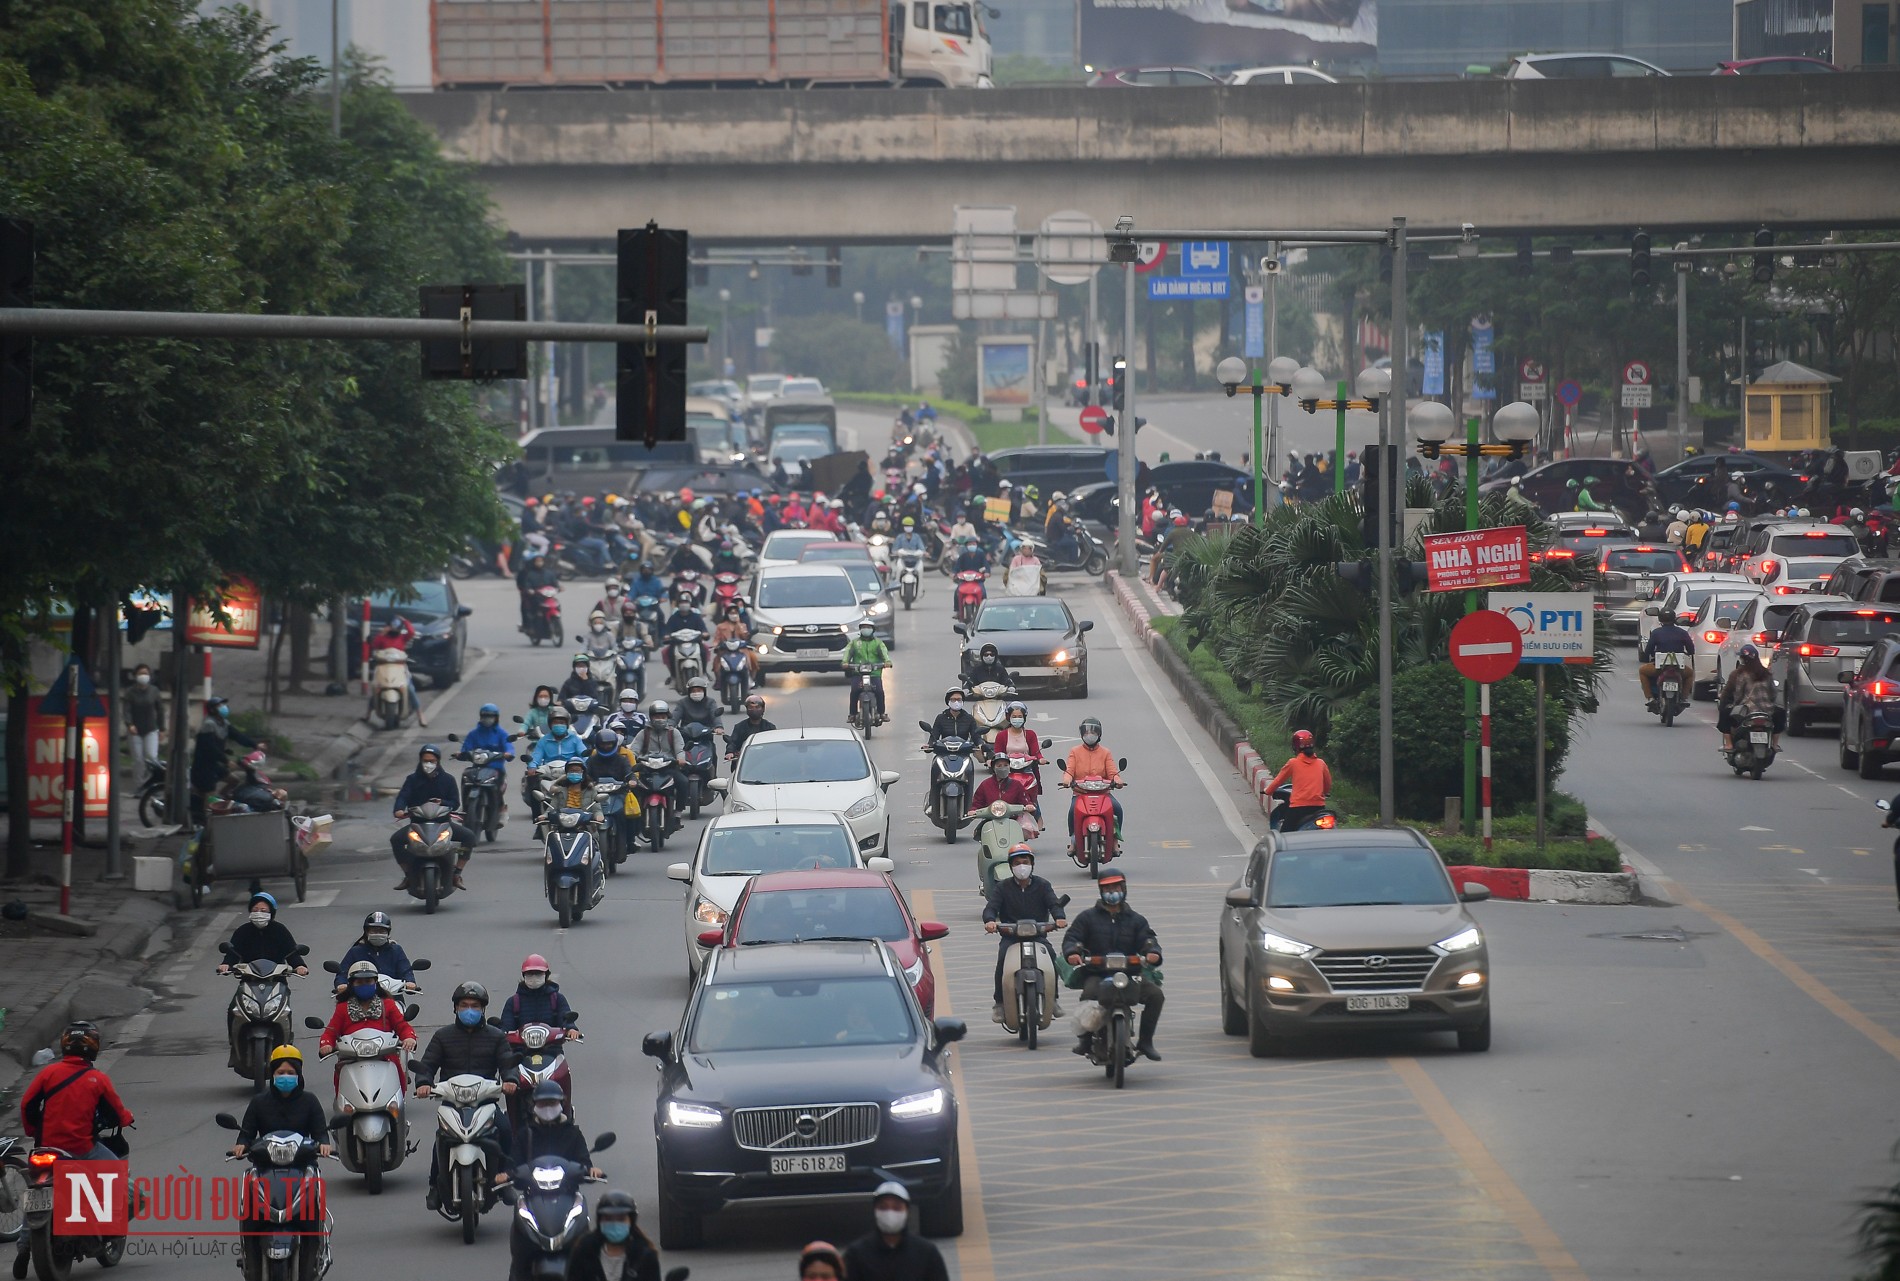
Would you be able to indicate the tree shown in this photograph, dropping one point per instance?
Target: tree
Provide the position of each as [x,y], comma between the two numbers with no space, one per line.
[843,353]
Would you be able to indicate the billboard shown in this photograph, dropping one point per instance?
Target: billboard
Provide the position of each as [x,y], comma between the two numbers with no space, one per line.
[1003,371]
[1225,33]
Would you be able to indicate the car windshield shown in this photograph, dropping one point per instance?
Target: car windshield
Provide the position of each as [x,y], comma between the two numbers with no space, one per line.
[1814,543]
[803,760]
[764,383]
[798,451]
[1041,617]
[864,576]
[424,596]
[1719,607]
[801,387]
[1357,878]
[794,916]
[833,551]
[1859,627]
[1634,561]
[800,1014]
[791,542]
[782,847]
[832,591]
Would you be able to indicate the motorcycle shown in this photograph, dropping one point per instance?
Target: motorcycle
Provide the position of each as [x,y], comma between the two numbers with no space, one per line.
[153,796]
[389,687]
[467,1147]
[481,786]
[609,794]
[910,581]
[258,1020]
[1752,741]
[735,672]
[249,789]
[430,840]
[702,764]
[1673,679]
[1027,770]
[991,709]
[951,769]
[53,1253]
[1026,575]
[1029,970]
[969,594]
[691,584]
[687,656]
[544,616]
[879,546]
[586,713]
[574,879]
[1110,1021]
[543,1057]
[864,683]
[726,591]
[647,611]
[285,1224]
[1324,821]
[1090,554]
[999,829]
[551,1213]
[1094,838]
[630,666]
[374,1128]
[657,799]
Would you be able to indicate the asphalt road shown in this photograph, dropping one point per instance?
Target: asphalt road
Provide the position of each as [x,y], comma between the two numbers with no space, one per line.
[1694,1090]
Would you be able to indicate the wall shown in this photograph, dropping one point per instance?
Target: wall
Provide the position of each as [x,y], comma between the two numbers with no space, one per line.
[1443,37]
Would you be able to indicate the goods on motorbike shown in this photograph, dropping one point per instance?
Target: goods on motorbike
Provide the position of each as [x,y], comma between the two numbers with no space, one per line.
[1112,1036]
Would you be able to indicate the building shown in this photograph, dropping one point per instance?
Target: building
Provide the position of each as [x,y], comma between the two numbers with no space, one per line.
[1041,29]
[1445,37]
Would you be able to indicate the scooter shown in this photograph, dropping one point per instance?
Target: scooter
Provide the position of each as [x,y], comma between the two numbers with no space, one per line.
[433,853]
[1110,1019]
[910,579]
[991,709]
[691,584]
[53,1253]
[1029,973]
[1673,679]
[388,687]
[544,616]
[630,666]
[259,1018]
[542,1058]
[1094,838]
[701,766]
[688,649]
[647,610]
[1091,555]
[374,1126]
[284,1221]
[574,879]
[657,799]
[735,672]
[951,770]
[969,594]
[551,1213]
[610,795]
[585,710]
[1324,821]
[864,688]
[481,786]
[154,796]
[726,591]
[999,829]
[879,547]
[1752,744]
[249,787]
[467,1147]
[1027,771]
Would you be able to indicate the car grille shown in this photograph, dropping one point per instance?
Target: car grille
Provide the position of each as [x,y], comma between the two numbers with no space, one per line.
[825,636]
[827,1125]
[1381,971]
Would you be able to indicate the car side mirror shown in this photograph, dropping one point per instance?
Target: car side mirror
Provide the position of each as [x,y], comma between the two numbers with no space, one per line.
[878,863]
[1472,892]
[1086,625]
[679,872]
[951,1030]
[959,629]
[1652,610]
[931,931]
[1240,896]
[226,1121]
[885,778]
[720,785]
[604,1140]
[657,1045]
[711,938]
[421,963]
[463,611]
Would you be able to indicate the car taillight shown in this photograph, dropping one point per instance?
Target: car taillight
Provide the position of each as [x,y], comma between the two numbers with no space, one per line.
[1882,689]
[1816,651]
[1816,533]
[1788,589]
[1560,553]
[1760,638]
[1767,568]
[1714,637]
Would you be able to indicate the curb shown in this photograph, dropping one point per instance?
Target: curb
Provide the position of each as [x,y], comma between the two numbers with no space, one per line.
[1549,885]
[345,745]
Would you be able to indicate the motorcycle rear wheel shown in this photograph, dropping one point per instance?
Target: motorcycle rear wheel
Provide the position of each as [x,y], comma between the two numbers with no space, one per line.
[152,809]
[50,1260]
[431,889]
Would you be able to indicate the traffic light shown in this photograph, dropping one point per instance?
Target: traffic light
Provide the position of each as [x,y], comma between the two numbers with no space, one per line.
[1121,373]
[1379,474]
[1764,263]
[487,358]
[651,385]
[1408,576]
[16,350]
[1108,424]
[834,267]
[1523,255]
[1091,353]
[1639,260]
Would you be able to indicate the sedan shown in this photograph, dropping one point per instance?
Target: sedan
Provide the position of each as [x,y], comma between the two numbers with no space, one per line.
[786,546]
[804,1073]
[1037,638]
[1702,479]
[1870,710]
[1680,594]
[1626,578]
[1150,77]
[823,768]
[1351,931]
[797,907]
[734,848]
[440,620]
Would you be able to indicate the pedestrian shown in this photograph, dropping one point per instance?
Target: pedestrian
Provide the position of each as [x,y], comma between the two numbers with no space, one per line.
[891,1251]
[820,1261]
[144,715]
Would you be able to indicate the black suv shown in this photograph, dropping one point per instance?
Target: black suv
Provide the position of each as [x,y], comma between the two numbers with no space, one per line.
[1620,483]
[440,620]
[804,1072]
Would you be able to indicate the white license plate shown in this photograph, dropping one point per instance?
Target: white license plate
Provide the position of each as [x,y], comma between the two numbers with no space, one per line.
[1758,736]
[809,1163]
[1377,1004]
[39,1200]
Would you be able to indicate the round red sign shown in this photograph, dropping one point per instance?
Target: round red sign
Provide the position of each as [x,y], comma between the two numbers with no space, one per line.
[1093,418]
[1636,373]
[1150,254]
[1485,646]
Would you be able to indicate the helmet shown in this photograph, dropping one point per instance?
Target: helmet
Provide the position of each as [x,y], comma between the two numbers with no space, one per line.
[987,653]
[755,700]
[866,627]
[1667,618]
[1032,491]
[550,1091]
[535,961]
[821,1252]
[1021,851]
[488,710]
[1734,507]
[1302,740]
[363,969]
[837,504]
[1180,519]
[615,1205]
[999,765]
[597,619]
[910,522]
[613,588]
[1016,705]
[377,920]
[660,708]
[1112,877]
[628,695]
[698,684]
[583,659]
[287,1054]
[560,714]
[955,691]
[469,991]
[429,749]
[81,1038]
[1005,485]
[1857,514]
[1748,653]
[1090,724]
[606,742]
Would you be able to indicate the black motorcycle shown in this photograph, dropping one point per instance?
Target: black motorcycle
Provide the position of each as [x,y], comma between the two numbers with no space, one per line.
[657,796]
[286,1222]
[1112,1041]
[54,1253]
[701,767]
[551,1214]
[951,782]
[430,841]
[1324,821]
[154,796]
[575,879]
[482,782]
[467,1147]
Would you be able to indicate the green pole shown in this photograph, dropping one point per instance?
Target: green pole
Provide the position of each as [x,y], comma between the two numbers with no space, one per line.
[1472,428]
[1339,437]
[1259,458]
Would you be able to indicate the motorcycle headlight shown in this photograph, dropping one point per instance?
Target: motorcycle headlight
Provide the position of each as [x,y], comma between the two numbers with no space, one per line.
[571,818]
[707,912]
[913,1107]
[693,1116]
[862,808]
[1462,941]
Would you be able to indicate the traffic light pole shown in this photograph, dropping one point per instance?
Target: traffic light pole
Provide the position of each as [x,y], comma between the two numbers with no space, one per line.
[1392,489]
[54,322]
[1126,463]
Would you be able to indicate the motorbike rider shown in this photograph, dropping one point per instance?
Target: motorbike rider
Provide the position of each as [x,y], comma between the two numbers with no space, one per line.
[551,1132]
[209,752]
[534,575]
[376,946]
[1666,638]
[970,555]
[891,1251]
[284,1105]
[869,650]
[262,937]
[684,618]
[1311,779]
[953,721]
[659,736]
[615,1247]
[699,707]
[1001,785]
[399,634]
[561,743]
[753,723]
[535,721]
[647,582]
[1089,759]
[611,596]
[608,761]
[430,782]
[732,625]
[537,998]
[626,718]
[489,736]
[469,1046]
[1023,897]
[70,1101]
[1112,926]
[1064,544]
[1749,689]
[582,682]
[364,1006]
[600,640]
[987,666]
[908,541]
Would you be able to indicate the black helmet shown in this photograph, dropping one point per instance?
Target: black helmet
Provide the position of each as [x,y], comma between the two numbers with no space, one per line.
[469,991]
[1667,618]
[606,742]
[550,1092]
[429,749]
[378,921]
[987,653]
[616,1205]
[81,1038]
[1090,723]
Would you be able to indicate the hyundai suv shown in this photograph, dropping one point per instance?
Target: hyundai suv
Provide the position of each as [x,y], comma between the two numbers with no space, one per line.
[1820,645]
[1870,710]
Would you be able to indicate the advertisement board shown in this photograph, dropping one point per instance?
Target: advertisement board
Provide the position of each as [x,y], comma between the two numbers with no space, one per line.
[1477,558]
[1003,375]
[1206,33]
[46,766]
[1555,627]
[242,606]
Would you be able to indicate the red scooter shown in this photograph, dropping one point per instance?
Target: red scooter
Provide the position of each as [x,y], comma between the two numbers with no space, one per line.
[726,592]
[970,593]
[1092,814]
[543,1058]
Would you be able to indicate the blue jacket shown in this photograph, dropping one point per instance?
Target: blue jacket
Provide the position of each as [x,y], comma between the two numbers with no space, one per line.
[487,738]
[544,1004]
[647,585]
[420,787]
[1668,639]
[551,748]
[388,959]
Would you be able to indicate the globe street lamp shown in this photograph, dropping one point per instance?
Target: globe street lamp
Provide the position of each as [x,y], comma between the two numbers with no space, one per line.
[1309,388]
[1232,374]
[857,300]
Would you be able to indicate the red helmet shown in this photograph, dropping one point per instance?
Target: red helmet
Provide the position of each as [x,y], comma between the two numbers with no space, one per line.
[1180,520]
[535,961]
[1302,740]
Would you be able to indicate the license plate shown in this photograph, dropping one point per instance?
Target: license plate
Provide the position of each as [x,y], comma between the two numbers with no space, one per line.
[1377,1004]
[39,1201]
[809,1163]
[1758,736]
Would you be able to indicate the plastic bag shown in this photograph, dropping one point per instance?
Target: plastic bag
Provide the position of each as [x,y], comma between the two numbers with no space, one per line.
[1089,1017]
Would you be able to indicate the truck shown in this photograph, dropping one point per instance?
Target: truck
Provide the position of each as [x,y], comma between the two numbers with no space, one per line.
[509,44]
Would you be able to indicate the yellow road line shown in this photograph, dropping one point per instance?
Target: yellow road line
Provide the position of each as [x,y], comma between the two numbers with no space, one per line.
[1495,1183]
[974,1259]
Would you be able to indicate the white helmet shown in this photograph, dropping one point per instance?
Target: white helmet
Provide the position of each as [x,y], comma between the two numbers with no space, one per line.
[628,696]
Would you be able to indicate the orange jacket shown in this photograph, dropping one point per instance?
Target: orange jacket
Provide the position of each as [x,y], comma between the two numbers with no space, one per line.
[1311,780]
[1092,762]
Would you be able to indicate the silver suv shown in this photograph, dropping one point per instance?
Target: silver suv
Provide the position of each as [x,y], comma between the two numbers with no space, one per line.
[1351,931]
[1818,645]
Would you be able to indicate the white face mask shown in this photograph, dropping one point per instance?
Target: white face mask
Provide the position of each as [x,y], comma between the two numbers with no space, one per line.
[143,678]
[891,1222]
[428,767]
[547,1111]
[260,919]
[1022,871]
[1015,722]
[956,704]
[534,980]
[628,705]
[542,702]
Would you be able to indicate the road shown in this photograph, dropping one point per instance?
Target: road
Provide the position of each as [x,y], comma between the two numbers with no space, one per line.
[1666,1080]
[1184,425]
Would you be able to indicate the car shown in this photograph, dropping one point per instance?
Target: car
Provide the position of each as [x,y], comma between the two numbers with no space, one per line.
[1351,930]
[800,389]
[1189,484]
[1620,484]
[760,388]
[1150,77]
[1880,589]
[815,768]
[1718,547]
[1755,619]
[1626,577]
[803,1073]
[1681,594]
[787,546]
[1701,480]
[1581,544]
[1710,626]
[793,446]
[1819,645]
[718,437]
[1781,65]
[834,549]
[803,617]
[1280,76]
[439,617]
[1052,467]
[1038,639]
[1870,709]
[1794,575]
[1775,541]
[1580,66]
[869,583]
[791,907]
[1846,577]
[725,390]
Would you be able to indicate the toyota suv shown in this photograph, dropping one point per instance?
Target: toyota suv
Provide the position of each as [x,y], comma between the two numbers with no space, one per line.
[1351,931]
[803,617]
[1820,645]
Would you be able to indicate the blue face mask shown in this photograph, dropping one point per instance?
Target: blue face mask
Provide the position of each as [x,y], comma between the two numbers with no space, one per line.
[615,1231]
[468,1018]
[1113,898]
[363,991]
[284,1084]
[559,731]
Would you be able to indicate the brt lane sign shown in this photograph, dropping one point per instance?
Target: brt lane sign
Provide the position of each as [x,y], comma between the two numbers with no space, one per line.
[1477,558]
[1556,627]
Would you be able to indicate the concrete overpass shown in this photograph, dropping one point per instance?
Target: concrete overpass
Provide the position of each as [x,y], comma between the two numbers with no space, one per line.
[1698,152]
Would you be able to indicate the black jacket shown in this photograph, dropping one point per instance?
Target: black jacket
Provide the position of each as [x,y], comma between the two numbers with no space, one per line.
[596,690]
[420,787]
[981,671]
[388,959]
[1033,900]
[271,943]
[583,1262]
[1667,639]
[614,765]
[742,730]
[951,724]
[911,1259]
[1096,931]
[269,1110]
[480,1050]
[563,1139]
[706,713]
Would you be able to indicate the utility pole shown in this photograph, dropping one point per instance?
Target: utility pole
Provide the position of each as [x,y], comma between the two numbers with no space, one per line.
[339,605]
[1271,449]
[1392,481]
[1125,525]
[1682,352]
[336,77]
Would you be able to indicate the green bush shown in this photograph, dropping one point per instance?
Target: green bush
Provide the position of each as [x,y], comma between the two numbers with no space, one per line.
[846,354]
[1564,856]
[1428,740]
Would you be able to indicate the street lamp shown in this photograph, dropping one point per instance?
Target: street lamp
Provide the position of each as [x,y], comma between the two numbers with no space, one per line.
[1373,382]
[1516,423]
[1233,375]
[725,335]
[857,299]
[1431,422]
[1309,388]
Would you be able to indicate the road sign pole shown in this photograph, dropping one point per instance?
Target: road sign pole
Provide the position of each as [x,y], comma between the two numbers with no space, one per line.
[1270,450]
[1392,431]
[70,775]
[1259,460]
[1472,431]
[1126,461]
[1484,752]
[1340,396]
[1540,758]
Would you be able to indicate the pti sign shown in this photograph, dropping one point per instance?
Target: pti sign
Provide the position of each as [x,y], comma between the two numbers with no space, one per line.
[1556,627]
[1476,559]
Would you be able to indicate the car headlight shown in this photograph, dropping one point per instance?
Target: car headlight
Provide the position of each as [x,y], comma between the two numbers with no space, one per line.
[1282,945]
[693,1116]
[1462,941]
[914,972]
[1059,657]
[882,607]
[737,807]
[913,1106]
[862,808]
[707,912]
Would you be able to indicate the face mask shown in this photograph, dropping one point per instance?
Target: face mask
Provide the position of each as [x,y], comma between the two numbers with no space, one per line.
[1015,722]
[489,722]
[614,1231]
[573,779]
[376,938]
[284,1084]
[1022,871]
[543,701]
[224,713]
[1091,739]
[891,1222]
[1112,898]
[143,678]
[559,731]
[582,673]
[547,1112]
[428,767]
[534,980]
[628,705]
[956,704]
[363,991]
[468,1017]
[260,919]
[697,696]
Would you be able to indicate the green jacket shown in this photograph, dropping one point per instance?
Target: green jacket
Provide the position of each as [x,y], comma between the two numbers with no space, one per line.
[866,651]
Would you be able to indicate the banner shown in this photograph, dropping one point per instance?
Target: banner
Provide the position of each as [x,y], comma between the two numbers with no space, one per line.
[242,605]
[1226,32]
[46,766]
[1477,558]
[1003,374]
[1432,356]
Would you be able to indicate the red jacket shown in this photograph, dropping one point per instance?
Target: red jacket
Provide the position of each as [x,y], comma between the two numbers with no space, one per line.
[68,1120]
[404,633]
[1009,791]
[341,1024]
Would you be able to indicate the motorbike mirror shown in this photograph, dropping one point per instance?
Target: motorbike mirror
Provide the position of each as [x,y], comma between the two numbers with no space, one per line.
[331,967]
[679,872]
[657,1045]
[416,1065]
[1883,805]
[924,726]
[878,863]
[931,931]
[718,784]
[1472,892]
[1240,896]
[1086,625]
[312,1022]
[571,1017]
[454,737]
[1062,764]
[949,1030]
[711,938]
[226,1121]
[339,1122]
[1122,763]
[493,1021]
[225,949]
[1652,610]
[1063,901]
[519,721]
[302,949]
[421,963]
[410,1011]
[604,1140]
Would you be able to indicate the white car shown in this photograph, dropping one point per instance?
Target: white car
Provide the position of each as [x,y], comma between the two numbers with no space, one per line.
[1793,575]
[785,546]
[813,769]
[734,848]
[804,616]
[1798,540]
[1706,629]
[1759,622]
[1580,66]
[1280,76]
[1682,594]
[760,388]
[801,389]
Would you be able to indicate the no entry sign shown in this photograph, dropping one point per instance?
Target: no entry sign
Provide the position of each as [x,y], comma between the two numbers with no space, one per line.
[1477,558]
[1485,646]
[1093,417]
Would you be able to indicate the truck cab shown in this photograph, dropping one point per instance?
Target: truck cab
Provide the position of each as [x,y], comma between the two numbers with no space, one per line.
[941,42]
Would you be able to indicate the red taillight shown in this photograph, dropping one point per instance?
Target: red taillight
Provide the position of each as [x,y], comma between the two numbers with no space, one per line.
[1816,533]
[1595,533]
[1865,613]
[1816,651]
[1760,638]
[1642,547]
[1560,553]
[1882,689]
[1767,568]
[1326,821]
[1789,589]
[41,1159]
[1714,637]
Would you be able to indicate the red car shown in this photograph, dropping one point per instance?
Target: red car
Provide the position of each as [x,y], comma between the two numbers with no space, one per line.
[852,903]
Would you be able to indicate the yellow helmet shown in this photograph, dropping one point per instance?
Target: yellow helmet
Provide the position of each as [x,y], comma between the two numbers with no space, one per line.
[286,1054]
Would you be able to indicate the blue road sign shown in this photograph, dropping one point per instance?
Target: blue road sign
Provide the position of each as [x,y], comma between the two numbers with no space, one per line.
[1433,358]
[54,704]
[1204,258]
[1255,323]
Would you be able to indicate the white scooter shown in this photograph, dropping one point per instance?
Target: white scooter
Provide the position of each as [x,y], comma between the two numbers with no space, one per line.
[910,581]
[369,1098]
[467,1121]
[992,706]
[389,688]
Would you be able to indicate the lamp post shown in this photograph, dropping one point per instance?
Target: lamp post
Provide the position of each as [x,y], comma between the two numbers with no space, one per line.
[725,335]
[1375,384]
[1233,375]
[857,300]
[1309,388]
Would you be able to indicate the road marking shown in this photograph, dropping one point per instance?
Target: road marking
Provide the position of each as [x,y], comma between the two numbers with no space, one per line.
[139,1024]
[315,898]
[1850,791]
[1862,853]
[1497,1185]
[975,1262]
[1757,829]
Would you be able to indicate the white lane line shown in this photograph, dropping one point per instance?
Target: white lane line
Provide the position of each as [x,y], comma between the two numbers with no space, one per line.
[1842,787]
[1137,657]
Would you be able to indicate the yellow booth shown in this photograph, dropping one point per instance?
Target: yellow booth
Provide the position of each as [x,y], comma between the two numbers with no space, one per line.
[1788,408]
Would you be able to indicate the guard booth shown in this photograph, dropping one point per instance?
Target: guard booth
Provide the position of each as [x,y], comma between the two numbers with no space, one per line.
[1787,409]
